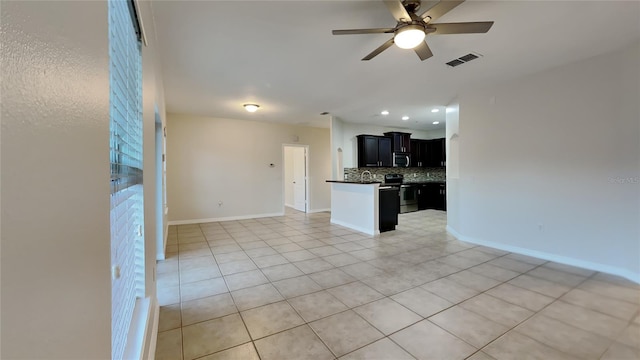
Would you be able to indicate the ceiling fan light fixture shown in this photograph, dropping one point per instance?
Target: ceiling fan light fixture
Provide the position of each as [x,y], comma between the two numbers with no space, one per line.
[251,107]
[409,36]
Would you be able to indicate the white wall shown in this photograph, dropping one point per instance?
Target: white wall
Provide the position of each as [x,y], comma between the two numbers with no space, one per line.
[56,284]
[153,98]
[211,160]
[550,164]
[336,128]
[288,176]
[453,163]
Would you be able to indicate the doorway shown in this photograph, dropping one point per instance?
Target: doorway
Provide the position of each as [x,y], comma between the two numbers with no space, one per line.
[295,177]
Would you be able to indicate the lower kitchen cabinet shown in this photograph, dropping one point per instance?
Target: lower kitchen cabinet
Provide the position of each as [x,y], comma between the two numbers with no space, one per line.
[389,207]
[441,197]
[432,196]
[423,198]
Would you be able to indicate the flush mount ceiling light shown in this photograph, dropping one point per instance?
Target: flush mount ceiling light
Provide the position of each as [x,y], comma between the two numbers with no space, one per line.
[409,36]
[435,110]
[384,112]
[251,107]
[405,118]
[436,122]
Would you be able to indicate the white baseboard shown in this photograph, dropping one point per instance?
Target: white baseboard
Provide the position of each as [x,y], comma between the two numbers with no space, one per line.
[139,331]
[319,210]
[153,335]
[288,205]
[354,227]
[227,218]
[630,275]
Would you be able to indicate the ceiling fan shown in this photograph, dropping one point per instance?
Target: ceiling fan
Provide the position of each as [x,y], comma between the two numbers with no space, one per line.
[411,29]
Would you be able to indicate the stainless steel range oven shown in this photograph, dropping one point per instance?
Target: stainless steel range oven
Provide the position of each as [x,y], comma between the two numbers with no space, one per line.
[408,198]
[408,193]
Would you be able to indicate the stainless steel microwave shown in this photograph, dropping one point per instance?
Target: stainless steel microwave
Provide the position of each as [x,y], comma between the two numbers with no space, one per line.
[401,159]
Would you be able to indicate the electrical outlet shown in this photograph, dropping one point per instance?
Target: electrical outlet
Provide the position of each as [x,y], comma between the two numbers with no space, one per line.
[220,203]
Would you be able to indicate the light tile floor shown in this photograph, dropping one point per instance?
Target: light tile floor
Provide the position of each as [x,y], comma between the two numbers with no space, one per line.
[297,287]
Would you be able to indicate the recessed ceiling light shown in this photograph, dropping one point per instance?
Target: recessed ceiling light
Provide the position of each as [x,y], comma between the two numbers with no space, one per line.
[436,122]
[405,118]
[251,107]
[384,112]
[435,110]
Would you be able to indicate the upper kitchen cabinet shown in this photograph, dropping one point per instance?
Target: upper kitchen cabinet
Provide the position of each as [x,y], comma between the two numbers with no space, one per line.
[419,153]
[401,141]
[436,153]
[374,151]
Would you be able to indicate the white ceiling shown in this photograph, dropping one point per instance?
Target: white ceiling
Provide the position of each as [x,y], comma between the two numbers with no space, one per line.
[218,55]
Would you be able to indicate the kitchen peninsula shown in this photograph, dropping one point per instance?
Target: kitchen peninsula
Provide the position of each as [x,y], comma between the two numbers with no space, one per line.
[355,204]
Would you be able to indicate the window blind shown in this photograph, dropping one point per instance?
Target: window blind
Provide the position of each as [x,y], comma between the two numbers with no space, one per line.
[127,216]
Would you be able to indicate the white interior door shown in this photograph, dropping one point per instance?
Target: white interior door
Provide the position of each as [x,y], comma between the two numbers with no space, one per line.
[299,179]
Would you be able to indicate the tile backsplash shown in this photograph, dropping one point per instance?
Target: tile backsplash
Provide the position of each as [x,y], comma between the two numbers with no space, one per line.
[410,174]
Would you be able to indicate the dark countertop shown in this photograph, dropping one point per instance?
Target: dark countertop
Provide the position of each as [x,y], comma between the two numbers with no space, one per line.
[355,182]
[383,184]
[424,182]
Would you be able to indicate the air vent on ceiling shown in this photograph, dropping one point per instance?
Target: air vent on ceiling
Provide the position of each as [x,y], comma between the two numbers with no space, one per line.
[455,62]
[463,59]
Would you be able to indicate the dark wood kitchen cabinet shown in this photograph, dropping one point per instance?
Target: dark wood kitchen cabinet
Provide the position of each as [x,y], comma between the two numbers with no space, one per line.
[419,153]
[441,197]
[436,153]
[423,198]
[401,141]
[432,196]
[374,151]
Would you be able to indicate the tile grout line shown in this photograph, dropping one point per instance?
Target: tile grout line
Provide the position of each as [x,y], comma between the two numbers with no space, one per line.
[400,251]
[534,314]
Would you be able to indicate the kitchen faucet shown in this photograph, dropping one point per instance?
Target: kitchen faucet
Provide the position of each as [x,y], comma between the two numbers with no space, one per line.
[365,172]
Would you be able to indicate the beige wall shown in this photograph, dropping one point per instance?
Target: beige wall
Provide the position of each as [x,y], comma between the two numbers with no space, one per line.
[211,160]
[56,284]
[56,278]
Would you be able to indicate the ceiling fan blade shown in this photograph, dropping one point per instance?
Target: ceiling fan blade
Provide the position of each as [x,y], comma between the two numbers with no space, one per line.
[362,31]
[377,51]
[441,8]
[423,51]
[397,10]
[461,28]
